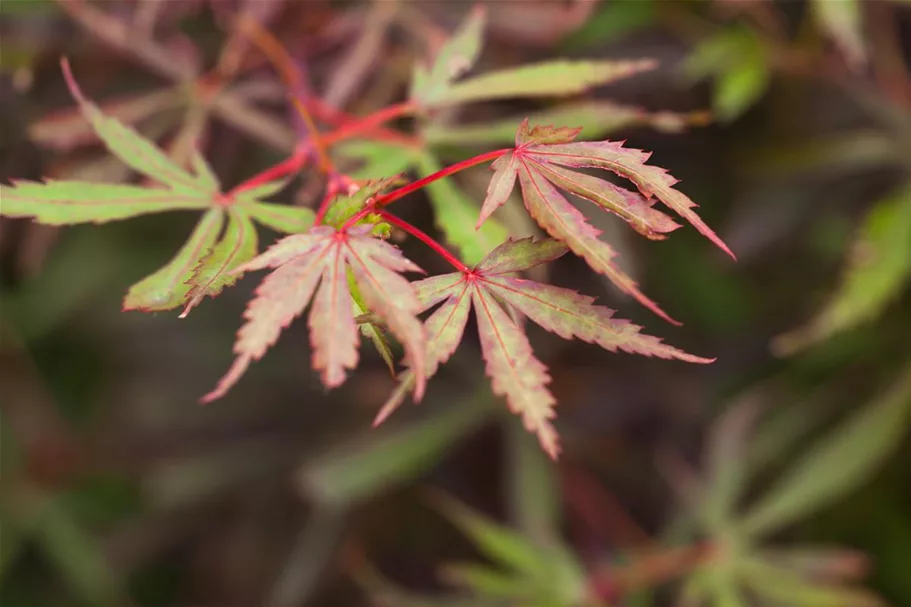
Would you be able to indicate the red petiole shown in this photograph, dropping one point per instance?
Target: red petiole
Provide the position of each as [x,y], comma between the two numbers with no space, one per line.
[426,239]
[385,199]
[351,128]
[286,167]
[368,123]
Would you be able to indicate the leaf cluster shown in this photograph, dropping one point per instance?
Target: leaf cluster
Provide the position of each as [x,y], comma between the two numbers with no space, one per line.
[338,263]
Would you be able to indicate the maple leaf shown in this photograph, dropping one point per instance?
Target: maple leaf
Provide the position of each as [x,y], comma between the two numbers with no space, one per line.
[201,267]
[511,364]
[439,86]
[314,266]
[537,164]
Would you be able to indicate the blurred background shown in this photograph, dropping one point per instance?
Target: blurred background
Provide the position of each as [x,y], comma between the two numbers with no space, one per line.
[773,477]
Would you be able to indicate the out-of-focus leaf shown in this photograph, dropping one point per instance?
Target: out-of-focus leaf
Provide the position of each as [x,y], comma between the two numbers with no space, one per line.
[838,464]
[782,586]
[377,159]
[314,549]
[852,150]
[72,552]
[66,129]
[694,591]
[878,268]
[596,118]
[722,585]
[612,21]
[214,271]
[388,456]
[738,88]
[500,544]
[818,563]
[384,593]
[130,147]
[486,582]
[782,430]
[737,60]
[34,8]
[456,57]
[727,462]
[842,20]
[169,286]
[456,216]
[548,79]
[534,489]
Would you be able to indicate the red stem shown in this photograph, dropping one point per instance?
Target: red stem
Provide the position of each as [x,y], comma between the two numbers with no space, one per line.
[332,188]
[394,195]
[285,167]
[426,239]
[357,127]
[343,120]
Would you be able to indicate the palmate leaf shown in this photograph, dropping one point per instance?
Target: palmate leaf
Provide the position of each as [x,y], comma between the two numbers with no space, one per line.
[200,267]
[314,266]
[537,164]
[511,364]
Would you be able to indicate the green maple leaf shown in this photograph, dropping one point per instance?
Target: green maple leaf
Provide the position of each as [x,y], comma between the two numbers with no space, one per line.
[538,162]
[511,364]
[224,237]
[315,265]
[437,86]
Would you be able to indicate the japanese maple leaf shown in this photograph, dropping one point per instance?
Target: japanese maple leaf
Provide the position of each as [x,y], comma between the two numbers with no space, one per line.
[511,364]
[538,162]
[224,237]
[315,266]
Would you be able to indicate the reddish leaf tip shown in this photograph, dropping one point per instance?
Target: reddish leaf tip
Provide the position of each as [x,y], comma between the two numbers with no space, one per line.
[384,414]
[655,308]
